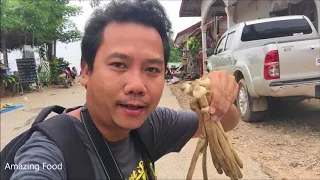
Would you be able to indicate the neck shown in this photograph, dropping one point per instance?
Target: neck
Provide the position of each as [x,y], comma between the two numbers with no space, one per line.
[111,132]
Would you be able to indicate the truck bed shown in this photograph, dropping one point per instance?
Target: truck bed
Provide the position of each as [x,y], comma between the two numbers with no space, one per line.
[299,59]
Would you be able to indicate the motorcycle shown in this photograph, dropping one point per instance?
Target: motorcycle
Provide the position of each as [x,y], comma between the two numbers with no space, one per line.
[66,77]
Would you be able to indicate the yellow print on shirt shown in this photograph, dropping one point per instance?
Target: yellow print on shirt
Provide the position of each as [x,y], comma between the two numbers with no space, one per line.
[139,173]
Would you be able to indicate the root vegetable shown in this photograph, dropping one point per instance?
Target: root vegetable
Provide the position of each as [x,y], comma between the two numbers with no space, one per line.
[205,82]
[186,88]
[204,162]
[199,91]
[223,156]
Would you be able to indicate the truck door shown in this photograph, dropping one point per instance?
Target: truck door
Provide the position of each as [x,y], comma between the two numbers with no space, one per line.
[215,59]
[226,61]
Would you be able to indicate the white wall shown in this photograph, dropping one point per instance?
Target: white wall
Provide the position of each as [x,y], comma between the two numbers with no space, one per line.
[249,10]
[253,9]
[17,54]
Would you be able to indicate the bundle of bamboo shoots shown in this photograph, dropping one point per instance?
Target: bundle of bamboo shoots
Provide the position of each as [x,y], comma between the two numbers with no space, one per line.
[213,135]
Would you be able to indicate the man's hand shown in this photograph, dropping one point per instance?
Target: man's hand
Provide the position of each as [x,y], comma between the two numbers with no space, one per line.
[224,90]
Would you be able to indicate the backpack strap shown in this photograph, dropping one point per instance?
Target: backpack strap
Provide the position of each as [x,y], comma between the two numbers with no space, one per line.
[149,164]
[103,151]
[76,157]
[46,111]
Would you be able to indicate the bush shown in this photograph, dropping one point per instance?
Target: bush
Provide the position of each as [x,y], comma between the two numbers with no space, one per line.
[194,44]
[55,66]
[54,70]
[44,77]
[9,80]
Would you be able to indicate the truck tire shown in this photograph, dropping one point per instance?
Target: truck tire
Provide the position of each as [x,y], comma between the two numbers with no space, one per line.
[244,105]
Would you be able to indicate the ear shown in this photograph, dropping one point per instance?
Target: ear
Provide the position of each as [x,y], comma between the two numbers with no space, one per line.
[85,73]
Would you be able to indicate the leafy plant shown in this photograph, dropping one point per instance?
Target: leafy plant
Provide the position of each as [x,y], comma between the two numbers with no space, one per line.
[194,44]
[9,79]
[175,54]
[55,66]
[44,77]
[54,70]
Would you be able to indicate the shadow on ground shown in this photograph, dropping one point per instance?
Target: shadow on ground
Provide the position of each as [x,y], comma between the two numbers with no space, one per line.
[296,116]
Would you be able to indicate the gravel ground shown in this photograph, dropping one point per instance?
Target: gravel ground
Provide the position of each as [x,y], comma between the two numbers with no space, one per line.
[287,145]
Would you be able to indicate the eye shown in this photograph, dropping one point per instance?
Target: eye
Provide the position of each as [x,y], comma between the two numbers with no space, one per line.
[153,70]
[118,65]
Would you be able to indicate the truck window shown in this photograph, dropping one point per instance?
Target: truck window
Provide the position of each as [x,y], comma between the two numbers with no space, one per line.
[221,45]
[275,29]
[229,41]
[182,68]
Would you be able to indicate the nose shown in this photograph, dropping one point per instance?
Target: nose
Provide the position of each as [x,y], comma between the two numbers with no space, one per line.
[135,86]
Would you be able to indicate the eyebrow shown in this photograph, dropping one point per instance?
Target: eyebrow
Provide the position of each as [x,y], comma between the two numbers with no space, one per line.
[126,57]
[155,61]
[118,55]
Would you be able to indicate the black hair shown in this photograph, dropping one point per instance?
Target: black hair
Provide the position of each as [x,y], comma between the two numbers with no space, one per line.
[146,12]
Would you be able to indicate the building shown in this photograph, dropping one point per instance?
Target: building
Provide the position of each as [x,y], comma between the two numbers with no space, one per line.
[183,36]
[195,31]
[236,11]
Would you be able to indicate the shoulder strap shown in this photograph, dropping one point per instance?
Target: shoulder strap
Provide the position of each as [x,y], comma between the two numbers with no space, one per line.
[102,149]
[149,165]
[76,157]
[46,111]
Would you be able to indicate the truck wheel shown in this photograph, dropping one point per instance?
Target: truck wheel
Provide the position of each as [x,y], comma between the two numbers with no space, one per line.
[244,105]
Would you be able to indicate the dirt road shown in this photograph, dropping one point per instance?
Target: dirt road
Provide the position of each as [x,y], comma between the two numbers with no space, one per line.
[14,122]
[287,145]
[172,166]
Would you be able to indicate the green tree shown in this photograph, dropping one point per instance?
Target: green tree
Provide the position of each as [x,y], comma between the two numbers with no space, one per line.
[175,54]
[93,3]
[10,22]
[194,44]
[47,21]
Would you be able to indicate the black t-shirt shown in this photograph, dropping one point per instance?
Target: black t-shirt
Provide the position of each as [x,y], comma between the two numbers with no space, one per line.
[164,131]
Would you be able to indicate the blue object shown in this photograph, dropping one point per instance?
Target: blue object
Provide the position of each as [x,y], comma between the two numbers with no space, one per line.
[11,108]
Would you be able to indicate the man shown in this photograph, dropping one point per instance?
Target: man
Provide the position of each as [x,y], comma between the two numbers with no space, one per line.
[125,51]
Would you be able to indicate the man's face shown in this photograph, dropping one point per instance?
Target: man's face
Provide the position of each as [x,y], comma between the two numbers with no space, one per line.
[127,80]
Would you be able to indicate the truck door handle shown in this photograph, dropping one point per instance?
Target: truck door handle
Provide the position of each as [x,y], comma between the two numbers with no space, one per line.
[312,47]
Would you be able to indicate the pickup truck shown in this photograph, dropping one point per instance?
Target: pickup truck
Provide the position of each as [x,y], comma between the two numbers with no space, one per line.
[274,60]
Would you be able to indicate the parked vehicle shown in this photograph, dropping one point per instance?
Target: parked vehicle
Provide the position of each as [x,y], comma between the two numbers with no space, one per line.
[274,60]
[66,76]
[178,72]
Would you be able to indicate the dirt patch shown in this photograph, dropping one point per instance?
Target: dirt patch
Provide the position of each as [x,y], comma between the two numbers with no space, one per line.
[287,145]
[27,123]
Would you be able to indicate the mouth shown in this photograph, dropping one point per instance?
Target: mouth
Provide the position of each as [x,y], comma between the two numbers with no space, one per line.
[133,110]
[132,107]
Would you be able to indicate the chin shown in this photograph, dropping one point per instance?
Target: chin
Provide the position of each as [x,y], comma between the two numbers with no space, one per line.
[129,124]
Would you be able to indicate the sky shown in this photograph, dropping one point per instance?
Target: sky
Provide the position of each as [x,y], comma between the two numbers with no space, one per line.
[71,52]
